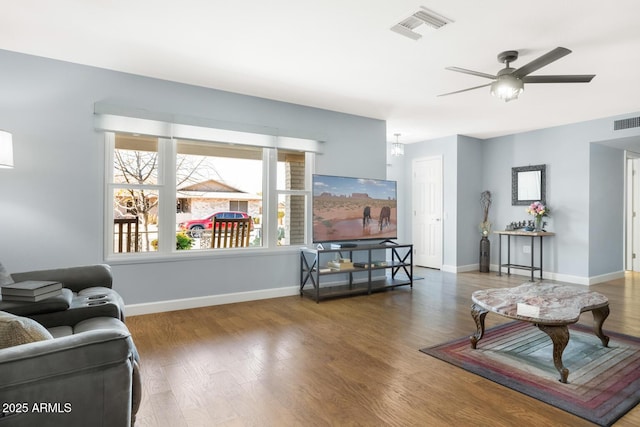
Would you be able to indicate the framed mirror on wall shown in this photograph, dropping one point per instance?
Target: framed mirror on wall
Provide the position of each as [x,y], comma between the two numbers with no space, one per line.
[528,184]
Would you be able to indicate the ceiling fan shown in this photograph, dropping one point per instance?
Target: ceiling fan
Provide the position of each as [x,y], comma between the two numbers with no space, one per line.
[509,82]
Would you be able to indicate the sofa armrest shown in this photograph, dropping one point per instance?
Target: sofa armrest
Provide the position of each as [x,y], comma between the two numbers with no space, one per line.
[81,377]
[74,278]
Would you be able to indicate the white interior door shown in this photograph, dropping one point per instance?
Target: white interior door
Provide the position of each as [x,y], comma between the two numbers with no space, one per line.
[427,211]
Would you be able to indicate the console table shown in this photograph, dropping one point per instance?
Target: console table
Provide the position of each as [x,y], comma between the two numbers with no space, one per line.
[549,306]
[530,234]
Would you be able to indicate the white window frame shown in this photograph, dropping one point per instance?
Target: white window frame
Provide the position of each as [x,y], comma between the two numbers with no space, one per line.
[167,193]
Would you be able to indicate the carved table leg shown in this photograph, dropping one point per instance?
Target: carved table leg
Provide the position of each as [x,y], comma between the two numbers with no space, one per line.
[559,335]
[599,316]
[478,313]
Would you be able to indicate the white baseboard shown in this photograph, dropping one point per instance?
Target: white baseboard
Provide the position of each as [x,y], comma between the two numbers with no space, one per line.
[460,268]
[186,303]
[606,277]
[545,275]
[449,268]
[559,277]
[467,268]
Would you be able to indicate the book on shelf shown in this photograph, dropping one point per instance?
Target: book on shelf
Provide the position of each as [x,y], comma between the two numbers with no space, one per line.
[339,265]
[32,298]
[379,263]
[361,264]
[30,288]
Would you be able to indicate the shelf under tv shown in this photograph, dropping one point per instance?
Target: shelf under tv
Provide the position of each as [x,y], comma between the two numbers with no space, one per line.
[361,288]
[398,259]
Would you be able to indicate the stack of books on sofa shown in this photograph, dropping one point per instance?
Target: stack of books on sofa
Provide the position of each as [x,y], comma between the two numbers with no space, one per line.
[31,290]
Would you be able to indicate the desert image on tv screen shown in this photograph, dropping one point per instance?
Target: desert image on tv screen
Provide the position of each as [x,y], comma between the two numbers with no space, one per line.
[353,209]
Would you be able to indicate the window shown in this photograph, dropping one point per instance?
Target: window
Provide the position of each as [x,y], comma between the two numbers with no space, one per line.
[239,205]
[292,198]
[219,180]
[166,192]
[183,205]
[135,193]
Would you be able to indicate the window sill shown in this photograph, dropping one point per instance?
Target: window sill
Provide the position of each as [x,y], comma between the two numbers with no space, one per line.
[156,257]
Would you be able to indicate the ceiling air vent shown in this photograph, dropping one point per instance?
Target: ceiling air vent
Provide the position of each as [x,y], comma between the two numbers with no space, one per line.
[633,122]
[425,17]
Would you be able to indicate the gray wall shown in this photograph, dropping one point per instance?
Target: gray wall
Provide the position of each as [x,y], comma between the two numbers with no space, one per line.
[606,225]
[470,163]
[53,200]
[585,171]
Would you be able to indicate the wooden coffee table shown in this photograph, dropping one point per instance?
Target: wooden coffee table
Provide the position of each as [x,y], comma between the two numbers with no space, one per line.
[550,307]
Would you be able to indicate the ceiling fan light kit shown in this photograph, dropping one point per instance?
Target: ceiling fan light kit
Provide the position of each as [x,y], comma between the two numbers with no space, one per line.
[509,82]
[507,88]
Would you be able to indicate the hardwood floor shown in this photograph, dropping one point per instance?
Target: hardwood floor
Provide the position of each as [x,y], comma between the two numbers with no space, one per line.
[352,361]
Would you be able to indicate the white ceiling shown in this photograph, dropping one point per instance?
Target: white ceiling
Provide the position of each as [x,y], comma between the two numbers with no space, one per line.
[341,55]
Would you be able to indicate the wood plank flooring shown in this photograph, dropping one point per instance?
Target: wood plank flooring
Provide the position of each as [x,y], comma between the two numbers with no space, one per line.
[343,362]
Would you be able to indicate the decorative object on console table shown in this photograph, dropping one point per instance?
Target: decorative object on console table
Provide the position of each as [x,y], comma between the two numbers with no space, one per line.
[538,210]
[538,224]
[485,229]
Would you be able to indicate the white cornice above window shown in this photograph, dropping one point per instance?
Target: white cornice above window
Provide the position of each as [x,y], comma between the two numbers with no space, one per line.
[129,120]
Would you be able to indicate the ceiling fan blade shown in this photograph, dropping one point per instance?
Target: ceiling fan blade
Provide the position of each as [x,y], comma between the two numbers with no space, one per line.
[540,62]
[473,73]
[465,90]
[569,78]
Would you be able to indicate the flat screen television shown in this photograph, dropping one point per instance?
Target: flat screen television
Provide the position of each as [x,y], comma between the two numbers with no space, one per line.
[349,209]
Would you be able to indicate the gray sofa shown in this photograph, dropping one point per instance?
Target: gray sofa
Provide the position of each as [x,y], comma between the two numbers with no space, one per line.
[70,361]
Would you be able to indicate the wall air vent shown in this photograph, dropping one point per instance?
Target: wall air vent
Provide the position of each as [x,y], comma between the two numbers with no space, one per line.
[633,122]
[425,17]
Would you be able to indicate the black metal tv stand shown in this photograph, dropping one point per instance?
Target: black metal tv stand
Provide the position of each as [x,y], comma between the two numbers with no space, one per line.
[313,268]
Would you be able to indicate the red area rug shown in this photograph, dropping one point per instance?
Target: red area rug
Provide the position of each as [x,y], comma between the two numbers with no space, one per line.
[603,383]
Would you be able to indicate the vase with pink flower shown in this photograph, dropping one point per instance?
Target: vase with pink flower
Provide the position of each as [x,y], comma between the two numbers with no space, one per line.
[538,210]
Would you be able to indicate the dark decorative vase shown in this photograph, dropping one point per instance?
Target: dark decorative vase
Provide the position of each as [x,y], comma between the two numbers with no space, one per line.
[485,254]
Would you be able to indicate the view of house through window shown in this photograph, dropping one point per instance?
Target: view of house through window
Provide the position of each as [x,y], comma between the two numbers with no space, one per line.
[218,180]
[211,180]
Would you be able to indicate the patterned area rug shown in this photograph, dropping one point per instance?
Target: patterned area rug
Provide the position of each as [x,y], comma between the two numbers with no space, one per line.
[603,383]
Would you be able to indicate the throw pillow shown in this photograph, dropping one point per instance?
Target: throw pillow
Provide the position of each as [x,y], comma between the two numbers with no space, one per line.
[16,330]
[5,277]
